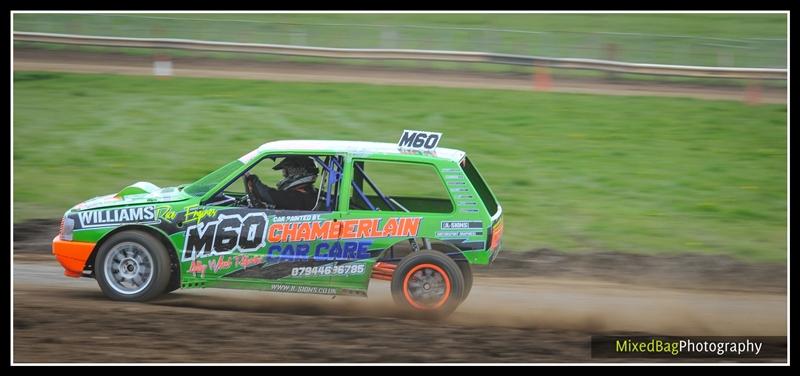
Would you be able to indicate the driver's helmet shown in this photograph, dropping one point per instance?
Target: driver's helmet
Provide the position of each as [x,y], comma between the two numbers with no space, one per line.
[297,170]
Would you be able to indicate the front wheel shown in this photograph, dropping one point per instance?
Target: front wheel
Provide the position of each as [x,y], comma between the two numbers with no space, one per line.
[132,266]
[428,284]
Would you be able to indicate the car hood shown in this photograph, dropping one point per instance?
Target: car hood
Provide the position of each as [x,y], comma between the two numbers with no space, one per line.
[138,193]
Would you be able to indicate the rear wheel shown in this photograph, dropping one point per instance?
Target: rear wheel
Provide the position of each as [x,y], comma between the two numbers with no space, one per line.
[132,266]
[428,284]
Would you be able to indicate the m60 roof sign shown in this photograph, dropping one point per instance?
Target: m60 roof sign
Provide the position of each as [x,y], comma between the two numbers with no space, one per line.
[419,140]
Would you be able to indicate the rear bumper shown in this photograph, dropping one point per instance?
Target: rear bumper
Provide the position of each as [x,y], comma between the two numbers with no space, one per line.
[72,255]
[497,236]
[495,252]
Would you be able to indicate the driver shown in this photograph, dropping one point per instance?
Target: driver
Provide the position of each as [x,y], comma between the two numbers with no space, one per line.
[294,192]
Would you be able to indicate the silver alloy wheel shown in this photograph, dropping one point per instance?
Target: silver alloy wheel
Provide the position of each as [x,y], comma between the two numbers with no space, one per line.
[426,286]
[128,268]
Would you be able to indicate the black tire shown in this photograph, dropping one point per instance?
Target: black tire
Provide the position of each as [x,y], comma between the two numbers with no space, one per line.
[466,272]
[137,255]
[429,268]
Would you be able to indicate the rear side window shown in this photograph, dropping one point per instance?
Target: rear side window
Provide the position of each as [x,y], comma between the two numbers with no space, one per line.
[401,186]
[480,186]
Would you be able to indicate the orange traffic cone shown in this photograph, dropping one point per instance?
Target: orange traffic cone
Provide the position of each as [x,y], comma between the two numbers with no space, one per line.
[753,93]
[541,79]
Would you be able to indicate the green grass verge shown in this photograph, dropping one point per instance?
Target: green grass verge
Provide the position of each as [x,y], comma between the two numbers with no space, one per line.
[573,172]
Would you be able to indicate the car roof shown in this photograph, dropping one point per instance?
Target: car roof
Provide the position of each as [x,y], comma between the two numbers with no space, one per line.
[351,147]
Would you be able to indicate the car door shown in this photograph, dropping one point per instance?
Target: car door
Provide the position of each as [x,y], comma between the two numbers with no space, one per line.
[278,250]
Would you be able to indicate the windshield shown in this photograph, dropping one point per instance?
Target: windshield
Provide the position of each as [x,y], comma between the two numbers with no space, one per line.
[208,182]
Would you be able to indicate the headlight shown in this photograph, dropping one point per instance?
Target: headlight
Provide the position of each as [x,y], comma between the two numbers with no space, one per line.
[67,225]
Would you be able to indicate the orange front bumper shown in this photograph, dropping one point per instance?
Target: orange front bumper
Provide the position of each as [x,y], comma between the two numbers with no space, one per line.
[72,255]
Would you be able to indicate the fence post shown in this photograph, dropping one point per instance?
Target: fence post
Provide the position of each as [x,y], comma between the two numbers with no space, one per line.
[612,51]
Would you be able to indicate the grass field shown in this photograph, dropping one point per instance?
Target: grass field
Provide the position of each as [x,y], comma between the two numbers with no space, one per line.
[731,25]
[744,40]
[573,172]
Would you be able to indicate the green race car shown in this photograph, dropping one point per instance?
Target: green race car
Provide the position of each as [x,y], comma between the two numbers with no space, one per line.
[409,213]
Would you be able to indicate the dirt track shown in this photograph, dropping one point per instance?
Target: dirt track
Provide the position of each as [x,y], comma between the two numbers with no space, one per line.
[514,314]
[80,62]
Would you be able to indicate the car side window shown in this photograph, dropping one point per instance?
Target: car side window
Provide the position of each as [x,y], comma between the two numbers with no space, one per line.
[325,183]
[262,169]
[398,186]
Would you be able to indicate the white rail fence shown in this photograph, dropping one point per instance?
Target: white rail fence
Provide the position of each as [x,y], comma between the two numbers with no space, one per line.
[408,54]
[335,32]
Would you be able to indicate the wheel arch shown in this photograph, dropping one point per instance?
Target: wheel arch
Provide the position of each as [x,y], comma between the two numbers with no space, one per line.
[175,270]
[404,247]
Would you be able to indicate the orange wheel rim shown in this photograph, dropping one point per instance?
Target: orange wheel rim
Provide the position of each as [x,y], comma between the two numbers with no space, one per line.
[418,275]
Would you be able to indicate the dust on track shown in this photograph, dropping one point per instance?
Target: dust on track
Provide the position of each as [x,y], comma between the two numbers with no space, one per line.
[77,325]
